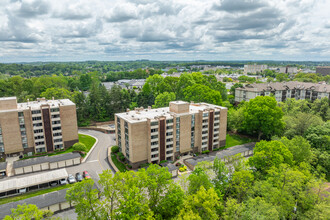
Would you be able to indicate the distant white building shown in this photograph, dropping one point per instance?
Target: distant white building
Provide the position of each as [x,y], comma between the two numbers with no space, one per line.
[287,69]
[254,68]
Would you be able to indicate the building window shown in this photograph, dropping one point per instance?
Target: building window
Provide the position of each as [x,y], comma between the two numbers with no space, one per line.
[154,149]
[36,112]
[36,118]
[169,146]
[169,139]
[58,140]
[37,131]
[169,133]
[37,125]
[154,136]
[169,152]
[55,116]
[54,110]
[205,121]
[57,134]
[153,123]
[169,121]
[169,127]
[154,143]
[39,150]
[56,122]
[25,145]
[154,130]
[154,156]
[56,128]
[217,113]
[177,134]
[20,114]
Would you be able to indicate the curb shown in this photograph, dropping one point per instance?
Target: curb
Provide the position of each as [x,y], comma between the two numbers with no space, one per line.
[110,160]
[90,151]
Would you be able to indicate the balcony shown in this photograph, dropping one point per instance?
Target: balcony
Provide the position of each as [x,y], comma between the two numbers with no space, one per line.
[153,126]
[154,159]
[216,126]
[169,155]
[153,152]
[56,119]
[205,129]
[169,142]
[154,146]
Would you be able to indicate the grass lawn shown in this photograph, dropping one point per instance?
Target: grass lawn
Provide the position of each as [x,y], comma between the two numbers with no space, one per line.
[121,167]
[32,194]
[234,139]
[85,139]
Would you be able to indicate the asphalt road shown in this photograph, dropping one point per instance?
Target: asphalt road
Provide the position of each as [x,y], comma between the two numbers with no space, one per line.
[97,161]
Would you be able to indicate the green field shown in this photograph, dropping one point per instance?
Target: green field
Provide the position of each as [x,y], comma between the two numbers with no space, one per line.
[121,167]
[32,194]
[234,139]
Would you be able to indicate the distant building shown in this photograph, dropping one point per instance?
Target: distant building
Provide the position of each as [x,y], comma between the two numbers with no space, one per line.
[287,69]
[153,135]
[283,91]
[254,68]
[38,126]
[126,84]
[324,70]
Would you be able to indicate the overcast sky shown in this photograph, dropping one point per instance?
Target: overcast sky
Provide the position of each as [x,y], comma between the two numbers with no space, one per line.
[72,30]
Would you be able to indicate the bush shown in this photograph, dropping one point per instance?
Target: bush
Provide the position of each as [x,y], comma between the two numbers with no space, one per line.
[80,147]
[129,166]
[115,149]
[163,161]
[205,152]
[178,164]
[144,165]
[183,169]
[121,156]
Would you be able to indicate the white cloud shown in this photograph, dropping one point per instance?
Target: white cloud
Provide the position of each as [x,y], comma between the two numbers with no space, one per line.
[164,29]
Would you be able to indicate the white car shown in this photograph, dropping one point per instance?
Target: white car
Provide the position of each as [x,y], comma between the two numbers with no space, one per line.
[71,179]
[63,181]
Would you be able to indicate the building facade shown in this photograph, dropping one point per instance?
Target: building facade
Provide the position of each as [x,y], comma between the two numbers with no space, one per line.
[254,68]
[323,70]
[287,69]
[38,126]
[283,91]
[153,135]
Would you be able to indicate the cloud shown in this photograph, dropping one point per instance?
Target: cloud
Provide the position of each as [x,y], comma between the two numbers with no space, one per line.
[163,29]
[29,9]
[238,5]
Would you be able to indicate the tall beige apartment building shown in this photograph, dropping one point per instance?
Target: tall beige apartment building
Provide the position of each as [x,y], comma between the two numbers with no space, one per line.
[38,126]
[152,135]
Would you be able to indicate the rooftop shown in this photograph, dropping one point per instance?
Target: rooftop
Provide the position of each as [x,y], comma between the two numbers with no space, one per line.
[32,180]
[232,151]
[278,86]
[141,114]
[42,101]
[45,159]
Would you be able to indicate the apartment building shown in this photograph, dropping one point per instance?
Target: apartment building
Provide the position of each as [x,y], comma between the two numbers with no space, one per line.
[254,68]
[287,69]
[283,91]
[38,126]
[152,135]
[323,70]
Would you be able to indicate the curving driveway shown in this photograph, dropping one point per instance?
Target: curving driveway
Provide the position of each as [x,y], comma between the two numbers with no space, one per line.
[97,161]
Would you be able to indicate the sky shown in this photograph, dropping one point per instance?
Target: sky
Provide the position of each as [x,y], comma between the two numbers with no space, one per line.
[79,30]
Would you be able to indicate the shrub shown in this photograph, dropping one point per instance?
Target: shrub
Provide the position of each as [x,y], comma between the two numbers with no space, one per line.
[115,149]
[129,166]
[163,161]
[144,165]
[121,156]
[183,169]
[205,152]
[178,164]
[80,147]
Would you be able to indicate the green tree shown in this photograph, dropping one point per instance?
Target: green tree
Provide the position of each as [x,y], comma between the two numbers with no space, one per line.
[80,147]
[267,154]
[163,99]
[263,117]
[202,205]
[298,123]
[27,212]
[300,149]
[197,179]
[56,93]
[86,200]
[201,93]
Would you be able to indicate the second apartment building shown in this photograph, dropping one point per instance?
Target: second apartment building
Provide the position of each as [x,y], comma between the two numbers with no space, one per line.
[37,126]
[152,135]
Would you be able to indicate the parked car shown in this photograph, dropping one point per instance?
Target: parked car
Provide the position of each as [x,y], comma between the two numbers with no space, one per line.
[63,181]
[71,179]
[21,191]
[53,183]
[79,177]
[86,175]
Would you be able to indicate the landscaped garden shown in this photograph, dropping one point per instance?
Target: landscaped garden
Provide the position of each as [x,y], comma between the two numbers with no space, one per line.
[119,159]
